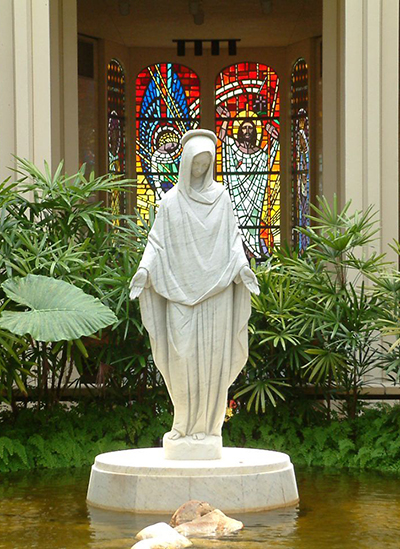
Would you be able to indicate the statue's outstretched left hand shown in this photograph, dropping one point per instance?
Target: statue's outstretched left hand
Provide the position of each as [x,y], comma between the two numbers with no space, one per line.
[250,280]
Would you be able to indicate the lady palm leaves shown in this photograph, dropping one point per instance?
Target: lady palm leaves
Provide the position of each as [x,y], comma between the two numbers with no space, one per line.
[262,392]
[58,310]
[316,319]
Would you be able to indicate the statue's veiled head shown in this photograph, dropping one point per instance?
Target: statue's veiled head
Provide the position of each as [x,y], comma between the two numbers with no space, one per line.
[197,164]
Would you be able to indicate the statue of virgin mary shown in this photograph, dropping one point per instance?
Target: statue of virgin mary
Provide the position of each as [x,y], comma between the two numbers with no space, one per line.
[194,283]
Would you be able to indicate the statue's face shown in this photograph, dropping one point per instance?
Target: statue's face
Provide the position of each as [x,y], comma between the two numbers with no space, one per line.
[201,163]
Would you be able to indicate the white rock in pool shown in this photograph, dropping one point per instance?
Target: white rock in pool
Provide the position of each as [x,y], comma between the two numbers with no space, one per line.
[161,543]
[160,536]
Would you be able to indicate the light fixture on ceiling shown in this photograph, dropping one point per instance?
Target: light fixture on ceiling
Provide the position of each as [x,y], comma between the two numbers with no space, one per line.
[196,9]
[124,7]
[214,47]
[232,49]
[266,6]
[198,45]
[181,47]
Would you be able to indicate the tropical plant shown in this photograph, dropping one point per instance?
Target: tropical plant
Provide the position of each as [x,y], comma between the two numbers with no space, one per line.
[340,309]
[58,226]
[58,310]
[277,340]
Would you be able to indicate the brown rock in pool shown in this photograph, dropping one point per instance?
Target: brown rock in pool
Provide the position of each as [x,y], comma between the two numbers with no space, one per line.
[189,511]
[215,523]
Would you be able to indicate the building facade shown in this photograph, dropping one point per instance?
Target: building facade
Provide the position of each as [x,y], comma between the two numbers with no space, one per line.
[317,84]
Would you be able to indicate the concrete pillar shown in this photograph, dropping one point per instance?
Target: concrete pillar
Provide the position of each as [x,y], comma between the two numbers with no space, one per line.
[360,108]
[332,82]
[64,83]
[38,95]
[7,106]
[371,111]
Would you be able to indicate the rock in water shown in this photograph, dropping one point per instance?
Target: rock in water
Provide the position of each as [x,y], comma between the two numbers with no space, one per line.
[189,511]
[159,543]
[215,523]
[161,536]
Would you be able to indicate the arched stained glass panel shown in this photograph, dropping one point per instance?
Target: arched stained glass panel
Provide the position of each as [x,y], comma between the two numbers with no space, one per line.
[300,143]
[116,129]
[167,105]
[248,151]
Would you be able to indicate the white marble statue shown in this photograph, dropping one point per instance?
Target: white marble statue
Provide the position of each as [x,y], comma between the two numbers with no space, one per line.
[194,283]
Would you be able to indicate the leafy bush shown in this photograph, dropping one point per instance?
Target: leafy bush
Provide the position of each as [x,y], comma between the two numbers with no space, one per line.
[56,226]
[370,441]
[278,340]
[73,437]
[321,315]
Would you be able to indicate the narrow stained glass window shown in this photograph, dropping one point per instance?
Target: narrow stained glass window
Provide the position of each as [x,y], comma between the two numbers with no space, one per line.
[116,130]
[167,105]
[248,151]
[300,144]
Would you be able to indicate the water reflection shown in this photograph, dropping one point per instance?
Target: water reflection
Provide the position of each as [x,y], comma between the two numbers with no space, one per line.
[338,510]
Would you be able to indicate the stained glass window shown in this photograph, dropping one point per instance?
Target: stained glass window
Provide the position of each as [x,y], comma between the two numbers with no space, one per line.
[167,105]
[116,129]
[248,151]
[300,144]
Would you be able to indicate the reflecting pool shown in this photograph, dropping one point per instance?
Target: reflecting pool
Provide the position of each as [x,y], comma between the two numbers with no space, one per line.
[338,510]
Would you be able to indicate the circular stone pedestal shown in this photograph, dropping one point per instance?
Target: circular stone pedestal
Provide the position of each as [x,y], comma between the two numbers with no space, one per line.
[143,481]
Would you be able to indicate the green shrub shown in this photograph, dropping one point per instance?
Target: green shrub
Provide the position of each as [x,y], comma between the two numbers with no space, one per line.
[321,315]
[370,441]
[72,437]
[56,226]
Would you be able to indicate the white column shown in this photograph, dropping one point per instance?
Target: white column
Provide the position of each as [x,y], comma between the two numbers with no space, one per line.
[371,64]
[64,83]
[390,123]
[360,109]
[23,91]
[41,81]
[7,108]
[38,92]
[332,81]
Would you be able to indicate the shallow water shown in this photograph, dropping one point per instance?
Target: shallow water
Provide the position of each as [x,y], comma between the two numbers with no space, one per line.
[47,510]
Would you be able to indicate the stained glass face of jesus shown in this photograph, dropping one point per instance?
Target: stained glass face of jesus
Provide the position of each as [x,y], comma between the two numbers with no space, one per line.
[248,151]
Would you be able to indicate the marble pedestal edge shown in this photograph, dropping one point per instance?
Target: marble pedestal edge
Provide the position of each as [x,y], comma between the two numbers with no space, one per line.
[143,481]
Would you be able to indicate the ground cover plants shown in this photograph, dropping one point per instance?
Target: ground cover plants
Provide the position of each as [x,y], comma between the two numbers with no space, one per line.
[325,323]
[72,437]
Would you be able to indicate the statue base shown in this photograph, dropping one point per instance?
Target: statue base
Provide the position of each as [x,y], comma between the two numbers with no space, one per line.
[143,481]
[210,447]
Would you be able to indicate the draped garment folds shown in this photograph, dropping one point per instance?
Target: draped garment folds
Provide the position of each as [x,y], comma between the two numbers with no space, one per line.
[195,306]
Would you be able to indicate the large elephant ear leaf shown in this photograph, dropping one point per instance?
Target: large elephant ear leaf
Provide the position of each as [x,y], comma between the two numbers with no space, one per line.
[58,310]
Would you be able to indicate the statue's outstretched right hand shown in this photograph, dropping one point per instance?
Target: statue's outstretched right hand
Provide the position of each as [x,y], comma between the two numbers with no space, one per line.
[138,282]
[249,279]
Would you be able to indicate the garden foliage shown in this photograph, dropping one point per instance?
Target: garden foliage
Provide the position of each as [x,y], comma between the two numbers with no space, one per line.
[58,226]
[325,323]
[322,318]
[73,437]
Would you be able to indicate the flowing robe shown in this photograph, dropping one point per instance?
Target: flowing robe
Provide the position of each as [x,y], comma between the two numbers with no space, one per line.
[195,306]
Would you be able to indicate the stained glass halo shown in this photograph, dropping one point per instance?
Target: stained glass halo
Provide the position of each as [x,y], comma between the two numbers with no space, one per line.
[196,133]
